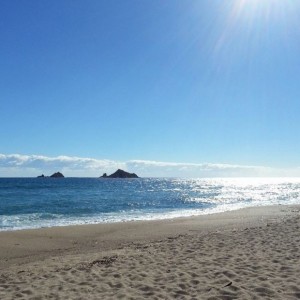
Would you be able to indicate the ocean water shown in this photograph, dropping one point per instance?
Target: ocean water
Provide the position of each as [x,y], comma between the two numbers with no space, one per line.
[45,202]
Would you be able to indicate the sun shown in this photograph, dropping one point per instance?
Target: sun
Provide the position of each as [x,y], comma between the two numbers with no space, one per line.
[249,24]
[266,9]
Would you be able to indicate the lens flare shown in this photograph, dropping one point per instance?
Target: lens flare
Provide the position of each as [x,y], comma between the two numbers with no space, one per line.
[249,23]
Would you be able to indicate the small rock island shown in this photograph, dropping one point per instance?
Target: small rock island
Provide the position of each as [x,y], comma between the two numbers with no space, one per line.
[120,174]
[55,175]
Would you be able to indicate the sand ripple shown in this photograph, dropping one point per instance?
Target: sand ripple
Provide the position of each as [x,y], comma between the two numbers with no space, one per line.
[250,263]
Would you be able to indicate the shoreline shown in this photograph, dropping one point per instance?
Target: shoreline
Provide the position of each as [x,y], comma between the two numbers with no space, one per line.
[169,217]
[151,250]
[40,241]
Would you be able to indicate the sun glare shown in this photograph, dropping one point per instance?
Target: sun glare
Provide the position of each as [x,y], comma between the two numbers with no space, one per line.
[253,20]
[265,9]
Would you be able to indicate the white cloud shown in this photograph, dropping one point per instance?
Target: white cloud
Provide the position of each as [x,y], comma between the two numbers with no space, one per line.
[14,165]
[195,170]
[33,165]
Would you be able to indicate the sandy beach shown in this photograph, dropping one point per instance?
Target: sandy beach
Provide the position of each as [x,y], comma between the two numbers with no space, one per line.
[247,254]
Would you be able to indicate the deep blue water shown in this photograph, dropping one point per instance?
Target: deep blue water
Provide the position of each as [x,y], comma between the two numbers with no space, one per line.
[43,202]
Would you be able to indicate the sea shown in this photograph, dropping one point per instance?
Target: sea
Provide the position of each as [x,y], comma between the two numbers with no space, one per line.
[46,202]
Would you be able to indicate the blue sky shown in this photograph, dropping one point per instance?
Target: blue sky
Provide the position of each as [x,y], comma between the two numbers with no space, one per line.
[183,82]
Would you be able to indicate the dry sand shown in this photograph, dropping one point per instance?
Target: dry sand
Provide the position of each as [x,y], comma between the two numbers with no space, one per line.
[247,254]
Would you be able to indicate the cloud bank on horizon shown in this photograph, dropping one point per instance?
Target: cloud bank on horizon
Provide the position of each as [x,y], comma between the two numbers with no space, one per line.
[17,165]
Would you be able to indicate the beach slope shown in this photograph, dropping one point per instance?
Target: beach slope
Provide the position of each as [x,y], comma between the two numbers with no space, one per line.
[247,254]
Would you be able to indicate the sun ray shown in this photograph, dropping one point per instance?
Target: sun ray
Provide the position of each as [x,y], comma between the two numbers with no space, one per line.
[253,20]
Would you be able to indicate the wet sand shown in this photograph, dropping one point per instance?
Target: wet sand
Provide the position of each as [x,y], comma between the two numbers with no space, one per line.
[246,254]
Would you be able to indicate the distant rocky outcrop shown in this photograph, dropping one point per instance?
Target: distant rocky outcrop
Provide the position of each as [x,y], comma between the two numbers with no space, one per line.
[57,175]
[120,174]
